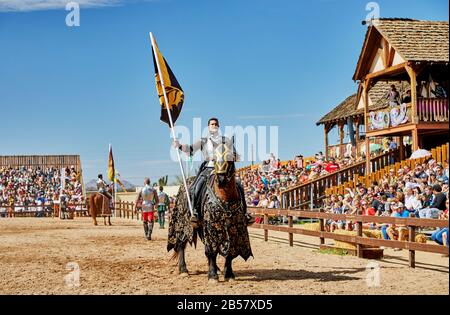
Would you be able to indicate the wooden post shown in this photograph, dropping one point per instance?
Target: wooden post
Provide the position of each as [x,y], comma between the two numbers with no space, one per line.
[413,83]
[326,129]
[368,168]
[291,235]
[322,227]
[266,231]
[401,148]
[412,253]
[415,140]
[359,233]
[357,137]
[341,139]
[366,84]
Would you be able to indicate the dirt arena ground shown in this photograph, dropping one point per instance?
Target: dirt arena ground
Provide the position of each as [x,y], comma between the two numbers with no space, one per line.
[34,253]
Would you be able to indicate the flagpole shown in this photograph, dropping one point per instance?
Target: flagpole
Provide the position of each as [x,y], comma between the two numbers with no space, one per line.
[170,120]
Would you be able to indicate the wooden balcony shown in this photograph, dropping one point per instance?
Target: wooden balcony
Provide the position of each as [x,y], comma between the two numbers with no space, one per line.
[430,113]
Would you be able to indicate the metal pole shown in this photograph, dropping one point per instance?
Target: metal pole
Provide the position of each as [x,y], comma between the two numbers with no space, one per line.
[170,120]
[252,154]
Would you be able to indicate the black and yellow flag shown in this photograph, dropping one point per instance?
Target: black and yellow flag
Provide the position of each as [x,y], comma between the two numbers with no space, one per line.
[175,95]
[111,169]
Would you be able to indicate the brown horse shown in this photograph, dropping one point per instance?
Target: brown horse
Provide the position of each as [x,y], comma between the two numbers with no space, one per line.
[223,225]
[99,206]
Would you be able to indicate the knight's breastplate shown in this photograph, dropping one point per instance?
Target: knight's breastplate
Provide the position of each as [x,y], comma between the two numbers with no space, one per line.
[147,195]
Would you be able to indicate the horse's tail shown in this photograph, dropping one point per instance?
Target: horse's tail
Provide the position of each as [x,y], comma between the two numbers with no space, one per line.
[176,248]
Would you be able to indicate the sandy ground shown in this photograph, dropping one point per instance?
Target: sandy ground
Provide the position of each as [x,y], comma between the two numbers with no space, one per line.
[34,253]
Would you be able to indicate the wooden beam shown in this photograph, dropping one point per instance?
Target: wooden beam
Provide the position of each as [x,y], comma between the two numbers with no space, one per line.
[413,83]
[437,126]
[387,71]
[391,131]
[326,140]
[357,137]
[385,54]
[366,120]
[401,148]
[341,139]
[391,56]
[415,140]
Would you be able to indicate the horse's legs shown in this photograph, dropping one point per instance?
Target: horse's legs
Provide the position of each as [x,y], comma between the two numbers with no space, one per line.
[181,259]
[228,270]
[212,272]
[109,220]
[104,220]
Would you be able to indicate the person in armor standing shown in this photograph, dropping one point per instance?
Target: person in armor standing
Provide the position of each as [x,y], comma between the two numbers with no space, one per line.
[163,206]
[149,198]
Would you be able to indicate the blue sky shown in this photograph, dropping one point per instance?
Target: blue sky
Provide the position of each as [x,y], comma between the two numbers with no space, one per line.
[250,62]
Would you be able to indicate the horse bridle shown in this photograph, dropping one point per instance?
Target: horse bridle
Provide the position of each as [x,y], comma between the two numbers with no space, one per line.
[225,167]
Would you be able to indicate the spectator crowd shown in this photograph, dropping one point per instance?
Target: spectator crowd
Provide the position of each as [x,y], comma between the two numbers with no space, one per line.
[421,192]
[36,189]
[263,185]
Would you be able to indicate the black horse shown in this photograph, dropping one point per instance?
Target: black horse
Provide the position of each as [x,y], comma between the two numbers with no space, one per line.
[223,224]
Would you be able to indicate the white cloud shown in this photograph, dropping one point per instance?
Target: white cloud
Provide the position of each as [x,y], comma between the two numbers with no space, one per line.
[157,162]
[36,5]
[272,116]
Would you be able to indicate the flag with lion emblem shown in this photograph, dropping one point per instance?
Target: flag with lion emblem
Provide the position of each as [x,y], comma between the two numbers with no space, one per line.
[175,95]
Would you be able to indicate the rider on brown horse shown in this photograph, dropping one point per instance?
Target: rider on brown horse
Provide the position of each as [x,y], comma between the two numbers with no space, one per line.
[102,186]
[208,146]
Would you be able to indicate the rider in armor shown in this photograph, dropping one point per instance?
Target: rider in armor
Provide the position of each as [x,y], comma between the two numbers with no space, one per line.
[207,146]
[102,187]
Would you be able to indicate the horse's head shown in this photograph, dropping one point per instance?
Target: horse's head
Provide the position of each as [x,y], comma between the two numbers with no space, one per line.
[224,167]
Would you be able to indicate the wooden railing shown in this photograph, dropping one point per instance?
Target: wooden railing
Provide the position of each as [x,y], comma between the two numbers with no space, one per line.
[439,154]
[433,109]
[303,195]
[359,240]
[125,210]
[11,211]
[390,117]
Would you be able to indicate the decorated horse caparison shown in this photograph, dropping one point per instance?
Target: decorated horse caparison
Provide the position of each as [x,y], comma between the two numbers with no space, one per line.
[99,206]
[222,221]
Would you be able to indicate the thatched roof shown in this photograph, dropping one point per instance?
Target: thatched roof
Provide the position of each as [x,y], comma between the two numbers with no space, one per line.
[349,107]
[345,109]
[414,40]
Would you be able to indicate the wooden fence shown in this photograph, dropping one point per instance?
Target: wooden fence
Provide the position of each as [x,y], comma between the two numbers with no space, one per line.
[439,154]
[312,192]
[10,211]
[359,240]
[126,210]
